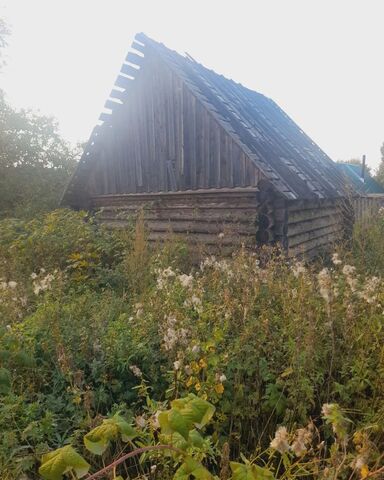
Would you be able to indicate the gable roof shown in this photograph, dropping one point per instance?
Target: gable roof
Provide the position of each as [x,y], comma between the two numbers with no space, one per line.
[353,176]
[294,165]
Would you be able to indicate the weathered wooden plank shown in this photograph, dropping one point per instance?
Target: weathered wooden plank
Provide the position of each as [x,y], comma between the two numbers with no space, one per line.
[139,47]
[313,225]
[304,237]
[129,70]
[118,94]
[302,215]
[123,82]
[134,58]
[111,105]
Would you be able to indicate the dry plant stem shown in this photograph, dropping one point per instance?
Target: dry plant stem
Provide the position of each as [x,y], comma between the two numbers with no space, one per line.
[375,472]
[138,451]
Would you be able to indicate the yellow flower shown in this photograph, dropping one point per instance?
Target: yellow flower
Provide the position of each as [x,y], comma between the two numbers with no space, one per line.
[219,388]
[190,381]
[197,386]
[203,363]
[195,367]
[364,471]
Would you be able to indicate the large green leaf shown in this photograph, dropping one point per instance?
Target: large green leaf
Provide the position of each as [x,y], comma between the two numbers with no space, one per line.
[192,468]
[55,464]
[178,441]
[98,439]
[247,471]
[186,414]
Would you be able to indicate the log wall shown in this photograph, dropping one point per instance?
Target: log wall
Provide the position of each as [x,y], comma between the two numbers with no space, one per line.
[221,217]
[313,226]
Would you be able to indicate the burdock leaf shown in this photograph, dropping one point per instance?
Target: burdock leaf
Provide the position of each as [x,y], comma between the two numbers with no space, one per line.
[55,464]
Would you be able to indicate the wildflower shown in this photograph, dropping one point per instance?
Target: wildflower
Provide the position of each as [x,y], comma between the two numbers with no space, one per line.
[33,275]
[155,420]
[185,280]
[219,388]
[370,287]
[163,276]
[298,269]
[335,259]
[140,421]
[207,262]
[153,469]
[12,284]
[324,280]
[349,272]
[139,310]
[40,285]
[188,370]
[222,378]
[176,365]
[136,371]
[280,442]
[221,235]
[303,437]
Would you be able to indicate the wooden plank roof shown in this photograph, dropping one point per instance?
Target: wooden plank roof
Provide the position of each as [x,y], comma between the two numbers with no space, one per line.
[294,164]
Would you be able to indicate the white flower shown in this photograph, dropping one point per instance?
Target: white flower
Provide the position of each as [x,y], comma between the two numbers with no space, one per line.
[303,437]
[33,275]
[185,280]
[136,371]
[221,235]
[222,378]
[280,442]
[153,469]
[348,270]
[12,284]
[335,259]
[324,280]
[298,269]
[140,421]
[177,365]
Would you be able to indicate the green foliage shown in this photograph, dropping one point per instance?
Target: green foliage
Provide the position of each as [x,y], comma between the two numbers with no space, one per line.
[97,327]
[35,162]
[98,439]
[56,464]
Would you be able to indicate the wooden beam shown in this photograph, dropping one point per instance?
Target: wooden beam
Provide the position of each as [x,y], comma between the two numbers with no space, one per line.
[117,94]
[111,105]
[123,82]
[105,117]
[138,46]
[129,70]
[134,58]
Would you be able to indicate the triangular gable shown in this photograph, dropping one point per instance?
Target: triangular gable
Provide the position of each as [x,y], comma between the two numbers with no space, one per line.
[286,157]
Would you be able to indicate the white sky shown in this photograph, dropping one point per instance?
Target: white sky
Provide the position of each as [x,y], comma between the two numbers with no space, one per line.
[322,61]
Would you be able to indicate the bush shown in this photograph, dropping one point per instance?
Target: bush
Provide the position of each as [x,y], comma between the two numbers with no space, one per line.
[95,322]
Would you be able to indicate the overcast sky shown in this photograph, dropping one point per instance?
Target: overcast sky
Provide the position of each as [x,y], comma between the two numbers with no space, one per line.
[322,61]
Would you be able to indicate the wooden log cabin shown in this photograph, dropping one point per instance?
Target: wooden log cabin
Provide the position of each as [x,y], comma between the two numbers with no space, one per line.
[205,157]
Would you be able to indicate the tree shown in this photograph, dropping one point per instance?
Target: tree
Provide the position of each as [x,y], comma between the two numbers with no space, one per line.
[35,162]
[380,170]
